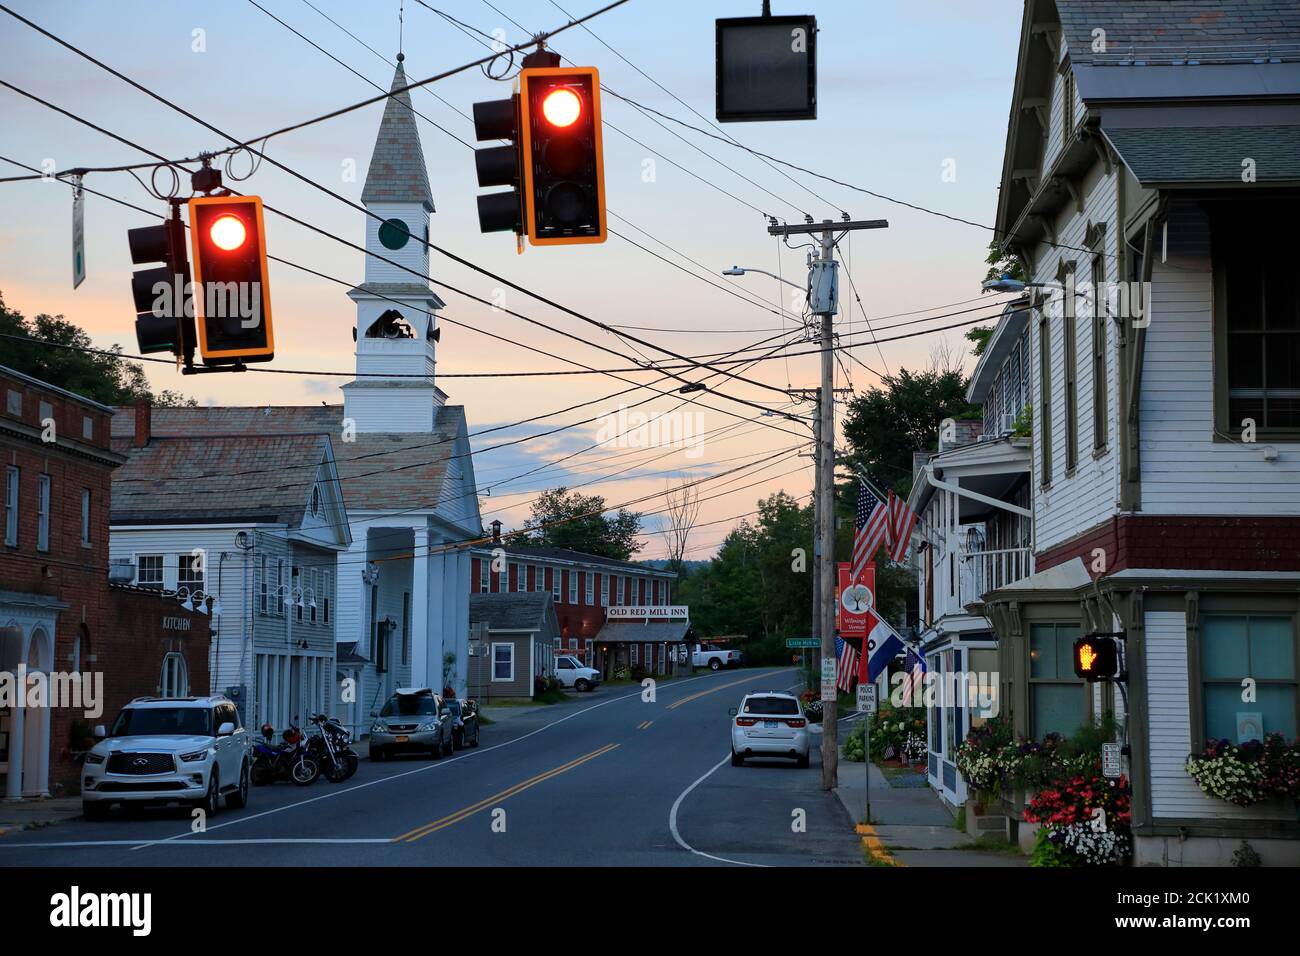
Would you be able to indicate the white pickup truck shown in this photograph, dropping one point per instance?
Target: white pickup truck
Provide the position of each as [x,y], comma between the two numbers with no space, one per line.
[714,658]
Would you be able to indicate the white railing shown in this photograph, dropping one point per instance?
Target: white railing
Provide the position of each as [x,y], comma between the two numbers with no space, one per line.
[980,572]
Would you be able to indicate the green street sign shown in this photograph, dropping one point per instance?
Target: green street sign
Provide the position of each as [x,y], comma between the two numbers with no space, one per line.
[793,642]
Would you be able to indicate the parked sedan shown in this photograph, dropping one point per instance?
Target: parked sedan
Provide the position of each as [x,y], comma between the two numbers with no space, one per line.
[769,724]
[413,720]
[464,723]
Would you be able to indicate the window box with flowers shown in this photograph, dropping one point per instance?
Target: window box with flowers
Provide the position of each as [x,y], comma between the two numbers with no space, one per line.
[1248,773]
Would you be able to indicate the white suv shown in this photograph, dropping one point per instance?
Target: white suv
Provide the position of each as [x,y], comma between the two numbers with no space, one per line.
[573,673]
[769,724]
[168,750]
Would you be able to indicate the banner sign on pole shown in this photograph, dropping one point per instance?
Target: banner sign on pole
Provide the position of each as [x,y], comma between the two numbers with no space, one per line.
[856,599]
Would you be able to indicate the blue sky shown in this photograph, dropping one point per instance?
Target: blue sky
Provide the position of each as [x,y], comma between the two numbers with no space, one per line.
[906,90]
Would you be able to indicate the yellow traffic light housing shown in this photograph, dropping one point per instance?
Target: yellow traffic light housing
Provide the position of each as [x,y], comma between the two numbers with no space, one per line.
[231,290]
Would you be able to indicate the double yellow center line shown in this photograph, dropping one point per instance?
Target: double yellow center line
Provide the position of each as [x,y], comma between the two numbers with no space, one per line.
[422,831]
[713,690]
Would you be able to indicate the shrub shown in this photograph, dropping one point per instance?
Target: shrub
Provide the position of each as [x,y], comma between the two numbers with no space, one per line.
[897,733]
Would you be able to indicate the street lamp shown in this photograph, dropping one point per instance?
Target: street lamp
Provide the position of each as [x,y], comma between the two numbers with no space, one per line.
[741,270]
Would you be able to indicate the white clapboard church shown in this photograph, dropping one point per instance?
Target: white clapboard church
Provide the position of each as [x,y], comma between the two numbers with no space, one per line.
[401,583]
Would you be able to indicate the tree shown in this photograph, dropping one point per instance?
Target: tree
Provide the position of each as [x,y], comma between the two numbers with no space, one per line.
[106,378]
[565,519]
[885,426]
[1003,263]
[680,515]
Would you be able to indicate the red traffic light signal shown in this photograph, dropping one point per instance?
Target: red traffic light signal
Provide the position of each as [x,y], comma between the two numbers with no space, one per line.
[232,295]
[562,155]
[1096,657]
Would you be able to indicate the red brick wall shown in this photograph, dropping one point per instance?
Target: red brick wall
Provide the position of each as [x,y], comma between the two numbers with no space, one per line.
[123,630]
[1184,542]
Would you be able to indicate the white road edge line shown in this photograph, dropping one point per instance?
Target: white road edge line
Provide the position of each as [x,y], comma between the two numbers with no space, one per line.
[672,820]
[140,845]
[672,815]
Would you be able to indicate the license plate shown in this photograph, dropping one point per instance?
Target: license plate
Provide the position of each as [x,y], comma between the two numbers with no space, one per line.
[769,723]
[401,740]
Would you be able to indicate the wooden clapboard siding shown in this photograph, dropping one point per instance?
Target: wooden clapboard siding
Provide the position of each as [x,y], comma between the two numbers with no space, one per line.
[1083,499]
[1174,794]
[1184,470]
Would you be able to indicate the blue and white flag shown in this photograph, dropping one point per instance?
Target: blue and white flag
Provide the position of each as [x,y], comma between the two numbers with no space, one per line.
[883,644]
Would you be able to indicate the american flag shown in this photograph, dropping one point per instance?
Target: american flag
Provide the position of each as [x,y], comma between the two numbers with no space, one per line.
[901,521]
[914,666]
[846,668]
[871,524]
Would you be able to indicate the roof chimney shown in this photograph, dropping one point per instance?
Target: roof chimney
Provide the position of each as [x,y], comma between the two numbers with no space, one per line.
[496,532]
[143,422]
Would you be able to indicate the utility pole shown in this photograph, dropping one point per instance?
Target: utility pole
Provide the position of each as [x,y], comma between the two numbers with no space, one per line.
[823,301]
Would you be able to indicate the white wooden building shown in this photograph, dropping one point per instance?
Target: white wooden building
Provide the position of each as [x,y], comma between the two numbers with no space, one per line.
[1149,186]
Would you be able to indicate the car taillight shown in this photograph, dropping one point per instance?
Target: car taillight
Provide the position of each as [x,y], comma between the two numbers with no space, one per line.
[746,721]
[796,722]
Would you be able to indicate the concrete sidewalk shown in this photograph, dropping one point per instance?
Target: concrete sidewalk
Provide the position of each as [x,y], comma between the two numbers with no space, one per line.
[35,813]
[910,826]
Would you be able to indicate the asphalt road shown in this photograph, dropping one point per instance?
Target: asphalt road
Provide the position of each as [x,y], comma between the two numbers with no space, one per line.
[605,778]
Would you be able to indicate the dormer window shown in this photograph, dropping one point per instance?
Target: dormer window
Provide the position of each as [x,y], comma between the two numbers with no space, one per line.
[390,325]
[394,233]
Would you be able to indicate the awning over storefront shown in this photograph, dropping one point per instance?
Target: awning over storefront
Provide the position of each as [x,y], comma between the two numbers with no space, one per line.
[644,632]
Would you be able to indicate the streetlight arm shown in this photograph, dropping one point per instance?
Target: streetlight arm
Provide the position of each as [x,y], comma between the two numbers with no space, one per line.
[741,270]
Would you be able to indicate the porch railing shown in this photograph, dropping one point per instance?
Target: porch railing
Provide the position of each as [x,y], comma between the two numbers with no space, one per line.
[983,571]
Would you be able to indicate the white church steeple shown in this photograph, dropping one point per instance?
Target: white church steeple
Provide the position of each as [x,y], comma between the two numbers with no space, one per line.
[396,332]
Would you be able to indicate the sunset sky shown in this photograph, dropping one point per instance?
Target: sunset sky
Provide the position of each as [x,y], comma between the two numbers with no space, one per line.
[892,119]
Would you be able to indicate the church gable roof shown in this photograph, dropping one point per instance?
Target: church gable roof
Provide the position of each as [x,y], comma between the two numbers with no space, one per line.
[397,172]
[401,472]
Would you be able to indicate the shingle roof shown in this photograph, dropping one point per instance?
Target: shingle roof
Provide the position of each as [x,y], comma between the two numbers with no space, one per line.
[379,471]
[397,172]
[632,632]
[203,478]
[1160,30]
[512,610]
[1208,153]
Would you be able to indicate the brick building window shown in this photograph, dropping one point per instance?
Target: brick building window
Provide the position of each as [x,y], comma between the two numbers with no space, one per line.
[85,516]
[604,590]
[12,475]
[149,572]
[503,579]
[589,588]
[175,678]
[573,587]
[42,512]
[554,574]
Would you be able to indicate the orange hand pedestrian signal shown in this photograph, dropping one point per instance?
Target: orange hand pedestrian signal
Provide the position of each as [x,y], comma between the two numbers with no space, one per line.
[1096,657]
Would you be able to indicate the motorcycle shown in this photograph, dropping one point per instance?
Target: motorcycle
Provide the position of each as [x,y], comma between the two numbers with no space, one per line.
[331,748]
[288,760]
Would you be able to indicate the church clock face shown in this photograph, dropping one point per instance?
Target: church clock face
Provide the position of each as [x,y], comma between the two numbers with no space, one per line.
[394,233]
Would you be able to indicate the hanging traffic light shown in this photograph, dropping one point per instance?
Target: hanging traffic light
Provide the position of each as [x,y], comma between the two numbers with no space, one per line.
[499,165]
[1096,657]
[230,280]
[562,156]
[164,309]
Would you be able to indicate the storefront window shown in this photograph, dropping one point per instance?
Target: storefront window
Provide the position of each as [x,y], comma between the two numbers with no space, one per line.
[1260,648]
[1057,699]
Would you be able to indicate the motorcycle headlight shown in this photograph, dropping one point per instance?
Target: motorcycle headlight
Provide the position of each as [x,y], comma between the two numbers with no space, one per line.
[378,728]
[93,759]
[195,757]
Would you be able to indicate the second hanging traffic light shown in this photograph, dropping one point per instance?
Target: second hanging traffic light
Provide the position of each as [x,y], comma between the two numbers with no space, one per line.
[563,162]
[553,162]
[231,293]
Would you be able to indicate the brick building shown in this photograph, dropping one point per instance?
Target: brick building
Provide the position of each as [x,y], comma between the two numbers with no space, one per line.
[584,587]
[59,614]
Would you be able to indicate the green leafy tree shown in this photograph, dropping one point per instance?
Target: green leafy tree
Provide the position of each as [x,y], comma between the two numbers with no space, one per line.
[1003,263]
[106,378]
[884,427]
[566,519]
